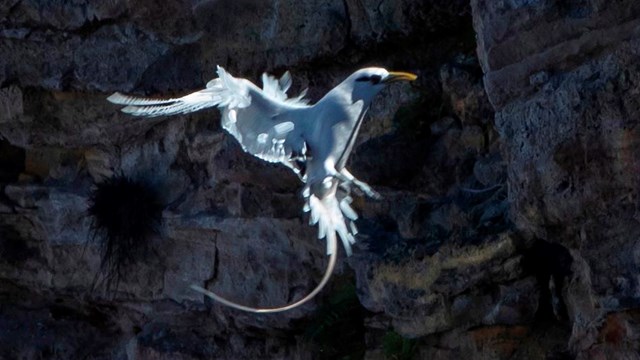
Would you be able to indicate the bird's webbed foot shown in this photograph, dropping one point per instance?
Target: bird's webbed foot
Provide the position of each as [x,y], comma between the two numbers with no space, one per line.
[347,179]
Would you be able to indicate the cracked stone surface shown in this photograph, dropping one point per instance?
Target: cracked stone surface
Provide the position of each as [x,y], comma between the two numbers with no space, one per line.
[566,110]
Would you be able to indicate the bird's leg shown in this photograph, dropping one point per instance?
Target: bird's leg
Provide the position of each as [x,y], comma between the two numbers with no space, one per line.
[347,178]
[299,167]
[298,160]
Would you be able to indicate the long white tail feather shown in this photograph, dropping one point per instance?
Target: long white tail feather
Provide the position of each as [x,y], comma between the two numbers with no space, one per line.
[327,274]
[331,218]
[331,243]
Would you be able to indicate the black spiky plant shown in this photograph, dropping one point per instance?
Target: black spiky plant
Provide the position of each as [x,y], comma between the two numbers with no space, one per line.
[126,213]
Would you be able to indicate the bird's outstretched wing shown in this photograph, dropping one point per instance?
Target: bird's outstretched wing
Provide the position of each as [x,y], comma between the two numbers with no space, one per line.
[225,91]
[265,121]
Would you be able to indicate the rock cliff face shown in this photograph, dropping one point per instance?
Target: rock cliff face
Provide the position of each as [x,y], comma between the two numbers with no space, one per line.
[506,235]
[563,80]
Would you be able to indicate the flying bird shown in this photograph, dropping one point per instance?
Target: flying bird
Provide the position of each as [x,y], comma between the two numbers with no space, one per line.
[313,140]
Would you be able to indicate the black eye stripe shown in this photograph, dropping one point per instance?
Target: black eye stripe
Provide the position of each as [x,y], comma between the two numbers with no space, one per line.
[375,79]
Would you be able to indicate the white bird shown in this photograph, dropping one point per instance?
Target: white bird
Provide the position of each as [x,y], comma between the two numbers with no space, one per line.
[313,140]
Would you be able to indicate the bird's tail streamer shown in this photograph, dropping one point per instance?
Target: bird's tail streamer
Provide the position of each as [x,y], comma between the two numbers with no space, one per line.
[335,217]
[325,279]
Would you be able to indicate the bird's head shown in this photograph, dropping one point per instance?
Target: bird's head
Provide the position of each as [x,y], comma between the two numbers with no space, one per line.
[367,82]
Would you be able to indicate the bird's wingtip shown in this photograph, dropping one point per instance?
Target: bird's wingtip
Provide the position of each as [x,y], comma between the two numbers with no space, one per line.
[129,109]
[115,98]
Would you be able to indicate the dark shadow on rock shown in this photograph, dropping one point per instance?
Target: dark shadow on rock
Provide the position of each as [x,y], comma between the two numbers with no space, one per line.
[549,261]
[14,248]
[11,161]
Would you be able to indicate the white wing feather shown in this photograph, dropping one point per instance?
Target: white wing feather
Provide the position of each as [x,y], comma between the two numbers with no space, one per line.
[277,89]
[225,91]
[271,87]
[121,99]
